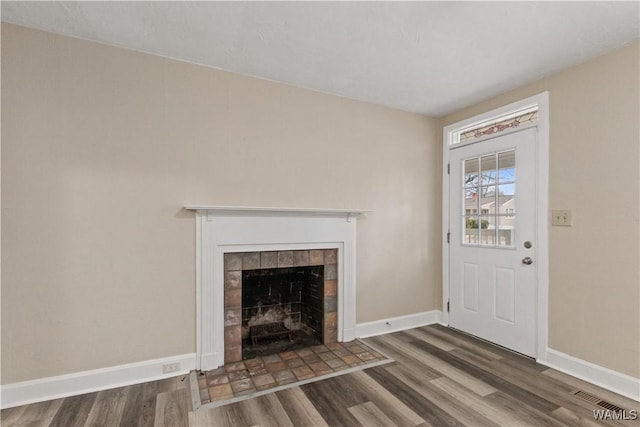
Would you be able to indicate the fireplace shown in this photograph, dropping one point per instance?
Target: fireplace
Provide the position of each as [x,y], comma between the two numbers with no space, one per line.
[279,301]
[224,235]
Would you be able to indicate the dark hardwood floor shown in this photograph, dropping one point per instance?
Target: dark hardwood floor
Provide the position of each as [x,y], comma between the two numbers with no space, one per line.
[440,377]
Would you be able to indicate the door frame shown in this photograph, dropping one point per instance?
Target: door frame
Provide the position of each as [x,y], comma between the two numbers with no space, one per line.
[540,100]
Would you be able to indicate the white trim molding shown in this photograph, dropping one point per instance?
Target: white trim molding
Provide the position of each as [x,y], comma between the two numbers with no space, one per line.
[225,229]
[617,382]
[396,324]
[542,208]
[57,387]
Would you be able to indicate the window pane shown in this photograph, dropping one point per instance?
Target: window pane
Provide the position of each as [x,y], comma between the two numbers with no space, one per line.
[471,172]
[471,229]
[487,230]
[507,166]
[506,199]
[471,200]
[506,231]
[488,200]
[488,170]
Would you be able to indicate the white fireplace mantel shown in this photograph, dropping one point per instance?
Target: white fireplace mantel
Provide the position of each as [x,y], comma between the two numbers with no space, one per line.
[227,229]
[257,210]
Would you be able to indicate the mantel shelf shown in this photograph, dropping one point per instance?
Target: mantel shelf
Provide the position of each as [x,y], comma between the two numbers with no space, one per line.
[274,210]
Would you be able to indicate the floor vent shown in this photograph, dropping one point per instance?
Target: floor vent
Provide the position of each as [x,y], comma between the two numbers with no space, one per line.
[596,400]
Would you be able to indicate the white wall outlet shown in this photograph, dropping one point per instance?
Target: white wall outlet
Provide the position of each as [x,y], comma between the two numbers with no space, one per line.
[561,217]
[170,367]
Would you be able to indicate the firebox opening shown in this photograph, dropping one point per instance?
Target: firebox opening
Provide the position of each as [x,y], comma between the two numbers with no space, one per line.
[282,309]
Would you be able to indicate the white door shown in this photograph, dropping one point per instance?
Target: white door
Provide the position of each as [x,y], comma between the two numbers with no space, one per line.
[492,269]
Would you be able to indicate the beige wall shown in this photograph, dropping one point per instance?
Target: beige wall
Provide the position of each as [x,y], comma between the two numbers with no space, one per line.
[594,284]
[103,146]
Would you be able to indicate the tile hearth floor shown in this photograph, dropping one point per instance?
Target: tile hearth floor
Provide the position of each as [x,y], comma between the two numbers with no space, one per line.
[263,373]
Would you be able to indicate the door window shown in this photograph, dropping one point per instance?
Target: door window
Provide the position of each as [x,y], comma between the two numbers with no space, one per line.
[489,203]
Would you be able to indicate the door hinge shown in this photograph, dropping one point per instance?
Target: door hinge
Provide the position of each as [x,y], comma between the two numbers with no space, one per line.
[448,306]
[448,237]
[448,168]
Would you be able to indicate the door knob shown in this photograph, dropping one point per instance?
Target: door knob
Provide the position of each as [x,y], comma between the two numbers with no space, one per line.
[527,260]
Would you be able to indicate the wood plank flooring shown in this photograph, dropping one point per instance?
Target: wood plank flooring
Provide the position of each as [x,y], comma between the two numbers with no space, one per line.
[440,377]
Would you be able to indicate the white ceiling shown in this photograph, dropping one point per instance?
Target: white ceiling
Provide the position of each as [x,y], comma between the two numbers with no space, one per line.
[428,57]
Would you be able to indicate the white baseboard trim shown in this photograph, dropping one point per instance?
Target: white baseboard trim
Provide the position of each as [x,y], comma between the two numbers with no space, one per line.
[623,384]
[395,324]
[39,390]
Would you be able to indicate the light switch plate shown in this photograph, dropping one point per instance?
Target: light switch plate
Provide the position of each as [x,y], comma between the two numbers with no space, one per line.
[561,217]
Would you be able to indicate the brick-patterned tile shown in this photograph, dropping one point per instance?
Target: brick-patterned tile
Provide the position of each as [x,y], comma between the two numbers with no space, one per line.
[312,358]
[365,356]
[334,346]
[241,385]
[319,348]
[263,380]
[356,349]
[328,355]
[271,358]
[220,379]
[237,366]
[319,367]
[276,366]
[330,319]
[300,258]
[330,272]
[285,259]
[305,352]
[232,280]
[330,335]
[238,375]
[258,370]
[330,288]
[335,363]
[303,372]
[316,257]
[251,260]
[288,355]
[351,360]
[233,298]
[294,363]
[232,353]
[284,377]
[341,352]
[232,262]
[223,391]
[250,363]
[330,256]
[244,378]
[202,382]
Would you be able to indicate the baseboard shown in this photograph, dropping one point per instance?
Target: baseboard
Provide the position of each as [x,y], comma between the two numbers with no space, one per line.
[39,390]
[395,324]
[623,384]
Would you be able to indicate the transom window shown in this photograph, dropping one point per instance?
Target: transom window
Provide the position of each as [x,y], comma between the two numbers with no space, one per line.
[494,126]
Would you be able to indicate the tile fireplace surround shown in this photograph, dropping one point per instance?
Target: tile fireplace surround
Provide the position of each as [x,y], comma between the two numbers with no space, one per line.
[236,263]
[225,230]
